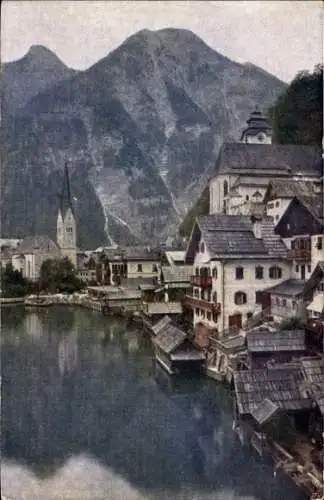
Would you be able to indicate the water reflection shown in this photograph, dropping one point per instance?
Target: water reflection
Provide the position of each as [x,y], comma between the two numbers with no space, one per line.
[86,401]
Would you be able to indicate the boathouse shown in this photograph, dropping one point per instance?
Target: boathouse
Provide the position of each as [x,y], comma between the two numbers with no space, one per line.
[175,352]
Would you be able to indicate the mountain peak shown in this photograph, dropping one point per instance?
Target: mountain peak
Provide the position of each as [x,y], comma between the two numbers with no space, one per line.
[41,53]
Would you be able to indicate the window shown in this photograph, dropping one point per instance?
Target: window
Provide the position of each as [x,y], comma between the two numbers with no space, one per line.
[297,269]
[202,247]
[197,312]
[209,316]
[154,268]
[277,301]
[247,197]
[215,297]
[294,305]
[309,268]
[319,243]
[225,186]
[277,217]
[203,314]
[277,203]
[197,271]
[239,273]
[215,272]
[284,302]
[288,227]
[139,268]
[196,293]
[259,273]
[270,205]
[275,273]
[240,298]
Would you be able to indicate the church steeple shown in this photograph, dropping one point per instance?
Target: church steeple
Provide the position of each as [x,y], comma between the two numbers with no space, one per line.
[258,130]
[66,223]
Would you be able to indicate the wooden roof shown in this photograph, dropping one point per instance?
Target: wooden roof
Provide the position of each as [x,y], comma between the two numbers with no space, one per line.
[169,338]
[313,371]
[279,341]
[161,324]
[280,385]
[265,411]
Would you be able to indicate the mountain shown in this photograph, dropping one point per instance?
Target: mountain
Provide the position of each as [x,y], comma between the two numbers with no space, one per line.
[23,79]
[142,129]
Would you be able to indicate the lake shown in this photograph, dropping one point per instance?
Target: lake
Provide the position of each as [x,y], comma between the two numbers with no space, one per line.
[86,415]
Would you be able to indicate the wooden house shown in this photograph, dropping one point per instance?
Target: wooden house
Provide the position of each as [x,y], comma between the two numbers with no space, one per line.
[226,356]
[274,347]
[175,352]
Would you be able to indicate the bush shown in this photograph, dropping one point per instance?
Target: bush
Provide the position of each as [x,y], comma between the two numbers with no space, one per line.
[291,324]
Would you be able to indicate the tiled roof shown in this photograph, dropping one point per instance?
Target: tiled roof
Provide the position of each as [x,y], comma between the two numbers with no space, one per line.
[273,243]
[281,385]
[283,189]
[288,288]
[262,158]
[230,234]
[177,274]
[32,244]
[283,341]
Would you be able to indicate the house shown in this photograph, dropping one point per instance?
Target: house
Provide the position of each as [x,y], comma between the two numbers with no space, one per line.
[175,352]
[234,258]
[280,193]
[129,265]
[266,347]
[244,169]
[31,253]
[227,355]
[87,267]
[285,300]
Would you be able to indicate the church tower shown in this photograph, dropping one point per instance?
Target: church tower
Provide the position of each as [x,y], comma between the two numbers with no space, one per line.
[66,223]
[257,131]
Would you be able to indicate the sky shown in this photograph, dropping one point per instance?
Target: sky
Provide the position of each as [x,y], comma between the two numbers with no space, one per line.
[282,37]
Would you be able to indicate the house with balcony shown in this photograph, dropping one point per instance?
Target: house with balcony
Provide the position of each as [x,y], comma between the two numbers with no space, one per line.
[234,258]
[301,227]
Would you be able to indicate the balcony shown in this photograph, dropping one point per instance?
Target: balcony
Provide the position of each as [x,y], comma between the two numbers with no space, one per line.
[300,254]
[194,303]
[201,281]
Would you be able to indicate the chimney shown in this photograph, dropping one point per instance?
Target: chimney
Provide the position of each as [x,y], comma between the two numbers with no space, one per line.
[257,226]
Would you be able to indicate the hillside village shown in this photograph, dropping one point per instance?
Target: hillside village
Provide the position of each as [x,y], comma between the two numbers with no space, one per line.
[246,290]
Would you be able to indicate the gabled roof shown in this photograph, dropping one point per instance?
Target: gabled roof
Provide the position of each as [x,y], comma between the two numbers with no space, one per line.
[280,385]
[314,204]
[174,256]
[281,341]
[314,279]
[282,159]
[169,338]
[299,219]
[287,288]
[32,244]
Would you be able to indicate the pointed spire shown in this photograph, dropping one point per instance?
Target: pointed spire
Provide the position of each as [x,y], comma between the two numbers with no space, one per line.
[65,196]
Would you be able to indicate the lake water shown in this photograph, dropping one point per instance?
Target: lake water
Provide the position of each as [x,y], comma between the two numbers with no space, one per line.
[90,419]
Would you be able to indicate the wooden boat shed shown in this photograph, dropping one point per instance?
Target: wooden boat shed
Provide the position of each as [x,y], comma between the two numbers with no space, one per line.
[174,350]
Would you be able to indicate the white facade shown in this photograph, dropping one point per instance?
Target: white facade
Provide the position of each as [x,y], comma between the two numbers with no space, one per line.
[276,208]
[226,287]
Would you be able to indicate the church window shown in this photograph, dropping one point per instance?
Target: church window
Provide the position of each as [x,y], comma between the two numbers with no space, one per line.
[259,273]
[239,273]
[240,298]
[225,188]
[275,272]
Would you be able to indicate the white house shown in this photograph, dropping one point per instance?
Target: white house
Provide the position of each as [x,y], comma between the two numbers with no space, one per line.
[234,258]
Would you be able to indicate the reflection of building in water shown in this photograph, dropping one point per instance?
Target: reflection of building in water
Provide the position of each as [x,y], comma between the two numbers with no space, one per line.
[68,352]
[33,324]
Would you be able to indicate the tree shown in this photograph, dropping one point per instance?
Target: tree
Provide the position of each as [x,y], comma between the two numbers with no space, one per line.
[13,283]
[297,116]
[59,275]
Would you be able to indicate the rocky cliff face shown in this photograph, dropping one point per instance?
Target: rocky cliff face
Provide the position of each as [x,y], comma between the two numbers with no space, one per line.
[142,129]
